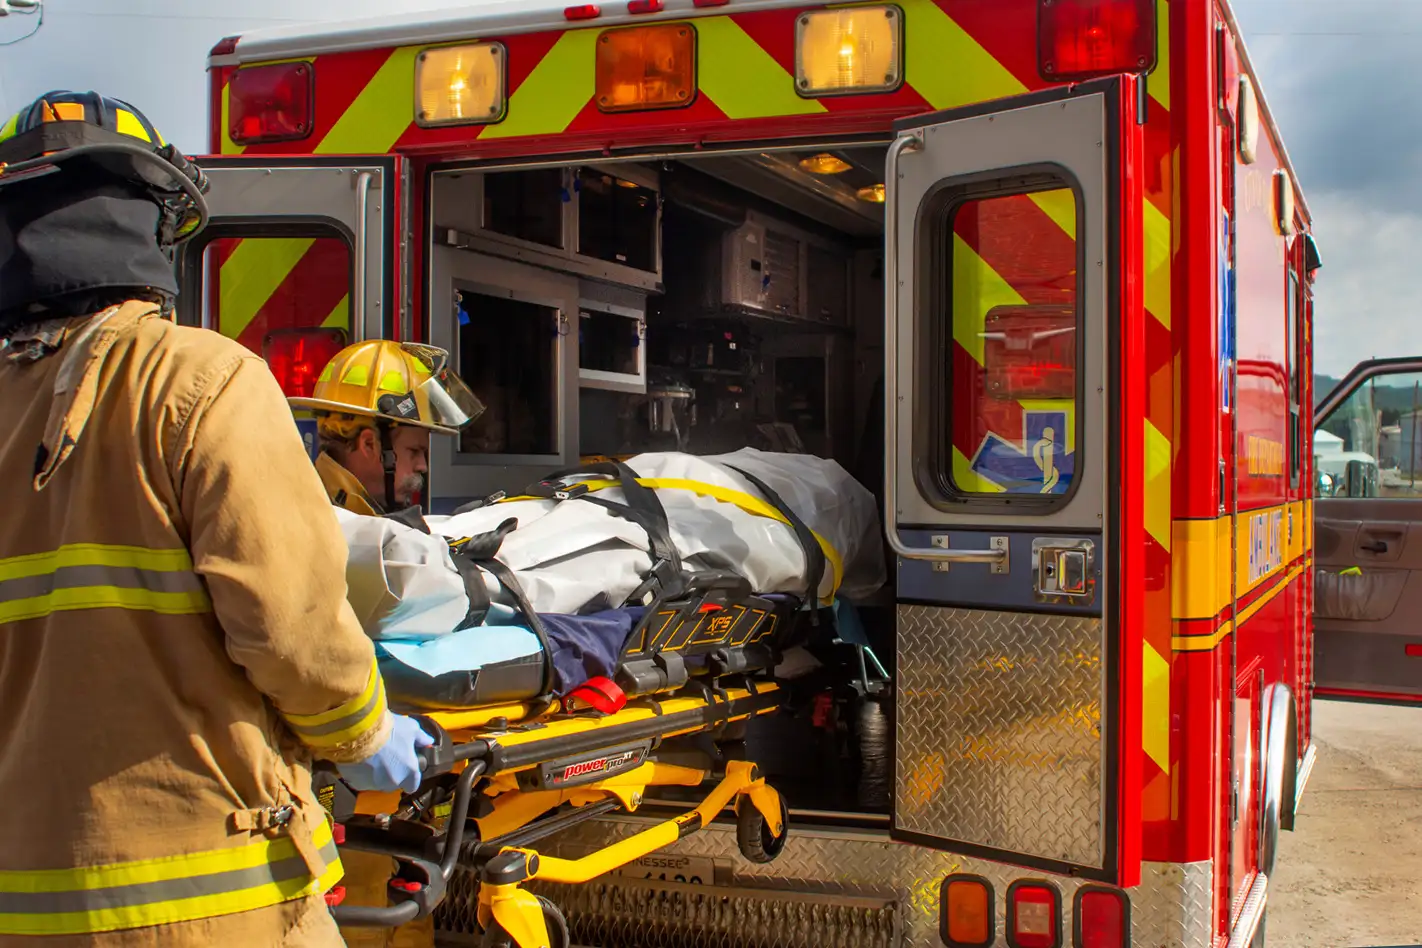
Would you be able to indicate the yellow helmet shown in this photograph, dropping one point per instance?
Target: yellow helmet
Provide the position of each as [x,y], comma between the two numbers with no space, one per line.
[401,383]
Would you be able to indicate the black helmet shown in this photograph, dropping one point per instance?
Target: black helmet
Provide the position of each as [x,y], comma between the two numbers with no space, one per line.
[85,129]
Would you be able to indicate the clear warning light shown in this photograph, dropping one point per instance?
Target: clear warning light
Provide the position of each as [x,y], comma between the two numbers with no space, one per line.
[854,50]
[460,85]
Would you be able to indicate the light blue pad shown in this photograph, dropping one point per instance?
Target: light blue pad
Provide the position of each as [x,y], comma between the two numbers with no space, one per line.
[466,650]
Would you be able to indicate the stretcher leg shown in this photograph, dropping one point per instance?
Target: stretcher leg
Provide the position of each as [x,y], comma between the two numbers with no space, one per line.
[505,910]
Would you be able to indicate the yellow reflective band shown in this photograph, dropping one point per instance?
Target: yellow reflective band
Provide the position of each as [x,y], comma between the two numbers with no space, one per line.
[325,374]
[251,274]
[374,122]
[100,576]
[356,375]
[1155,707]
[1157,477]
[745,81]
[936,39]
[553,94]
[747,502]
[8,129]
[128,124]
[346,722]
[1157,263]
[393,381]
[162,891]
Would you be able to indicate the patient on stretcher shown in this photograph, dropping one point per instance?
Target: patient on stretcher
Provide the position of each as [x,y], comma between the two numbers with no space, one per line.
[647,575]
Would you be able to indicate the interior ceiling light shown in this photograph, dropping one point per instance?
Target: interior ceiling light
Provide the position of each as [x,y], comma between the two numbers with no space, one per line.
[874,194]
[825,164]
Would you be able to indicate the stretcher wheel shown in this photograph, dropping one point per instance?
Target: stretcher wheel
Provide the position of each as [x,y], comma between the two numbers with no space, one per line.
[558,935]
[753,833]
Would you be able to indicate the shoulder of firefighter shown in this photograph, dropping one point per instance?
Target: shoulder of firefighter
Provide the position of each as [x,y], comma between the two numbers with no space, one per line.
[174,588]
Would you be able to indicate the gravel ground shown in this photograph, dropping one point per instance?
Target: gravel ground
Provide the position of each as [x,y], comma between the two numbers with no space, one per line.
[1350,875]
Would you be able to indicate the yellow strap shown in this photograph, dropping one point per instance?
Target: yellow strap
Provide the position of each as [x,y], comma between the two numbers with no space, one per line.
[747,502]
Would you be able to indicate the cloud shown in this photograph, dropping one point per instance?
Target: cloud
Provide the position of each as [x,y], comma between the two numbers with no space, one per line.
[1340,79]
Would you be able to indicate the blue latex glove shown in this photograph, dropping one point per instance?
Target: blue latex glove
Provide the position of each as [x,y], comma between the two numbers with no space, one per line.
[396,766]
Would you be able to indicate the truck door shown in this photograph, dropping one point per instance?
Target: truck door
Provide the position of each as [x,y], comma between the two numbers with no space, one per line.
[295,246]
[1367,458]
[1014,478]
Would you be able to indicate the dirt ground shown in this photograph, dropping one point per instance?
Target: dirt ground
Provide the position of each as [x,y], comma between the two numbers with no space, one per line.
[1350,875]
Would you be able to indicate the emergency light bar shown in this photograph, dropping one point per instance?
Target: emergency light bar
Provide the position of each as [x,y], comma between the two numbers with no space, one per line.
[1085,39]
[270,103]
[297,356]
[646,67]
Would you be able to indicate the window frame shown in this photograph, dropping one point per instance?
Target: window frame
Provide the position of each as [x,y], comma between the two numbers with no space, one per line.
[937,215]
[192,307]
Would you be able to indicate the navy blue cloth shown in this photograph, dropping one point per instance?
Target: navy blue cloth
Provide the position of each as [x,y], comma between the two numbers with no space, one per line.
[588,646]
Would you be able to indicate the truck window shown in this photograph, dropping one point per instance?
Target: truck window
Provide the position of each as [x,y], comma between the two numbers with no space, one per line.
[1292,342]
[255,285]
[508,351]
[1015,349]
[1371,444]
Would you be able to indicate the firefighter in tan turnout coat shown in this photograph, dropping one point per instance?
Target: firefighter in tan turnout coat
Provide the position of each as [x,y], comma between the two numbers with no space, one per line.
[175,642]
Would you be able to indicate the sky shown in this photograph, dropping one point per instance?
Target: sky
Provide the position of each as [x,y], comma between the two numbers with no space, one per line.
[1340,76]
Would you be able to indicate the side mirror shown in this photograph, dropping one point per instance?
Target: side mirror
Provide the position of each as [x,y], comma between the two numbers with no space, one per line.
[1325,485]
[1362,479]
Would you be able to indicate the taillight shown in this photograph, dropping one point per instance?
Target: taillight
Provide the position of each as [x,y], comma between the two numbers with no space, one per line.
[1034,915]
[966,912]
[1102,918]
[1083,39]
[297,356]
[270,103]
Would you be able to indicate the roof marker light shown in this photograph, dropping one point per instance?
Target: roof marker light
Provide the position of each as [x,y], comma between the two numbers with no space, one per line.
[709,3]
[644,6]
[586,11]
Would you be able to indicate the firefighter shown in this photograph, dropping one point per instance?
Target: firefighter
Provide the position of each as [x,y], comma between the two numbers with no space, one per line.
[376,403]
[177,645]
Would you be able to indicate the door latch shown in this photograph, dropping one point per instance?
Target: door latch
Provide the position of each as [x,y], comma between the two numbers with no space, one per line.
[1065,570]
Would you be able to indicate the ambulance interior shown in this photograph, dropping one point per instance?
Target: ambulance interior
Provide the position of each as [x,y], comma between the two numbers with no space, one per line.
[722,301]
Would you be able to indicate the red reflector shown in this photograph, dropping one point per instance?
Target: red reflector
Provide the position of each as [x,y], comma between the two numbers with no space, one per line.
[338,834]
[336,896]
[1034,915]
[588,11]
[1414,651]
[297,356]
[1082,39]
[1102,918]
[644,6]
[270,103]
[709,3]
[225,46]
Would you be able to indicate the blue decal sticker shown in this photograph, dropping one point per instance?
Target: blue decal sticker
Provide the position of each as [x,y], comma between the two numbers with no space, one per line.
[1040,464]
[309,437]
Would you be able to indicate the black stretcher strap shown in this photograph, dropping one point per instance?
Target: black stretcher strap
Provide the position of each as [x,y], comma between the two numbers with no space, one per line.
[479,553]
[814,555]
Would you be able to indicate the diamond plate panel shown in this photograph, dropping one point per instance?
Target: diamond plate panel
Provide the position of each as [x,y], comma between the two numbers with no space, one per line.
[827,888]
[999,740]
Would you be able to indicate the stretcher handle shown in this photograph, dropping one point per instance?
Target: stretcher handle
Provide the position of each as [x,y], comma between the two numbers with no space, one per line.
[441,756]
[426,881]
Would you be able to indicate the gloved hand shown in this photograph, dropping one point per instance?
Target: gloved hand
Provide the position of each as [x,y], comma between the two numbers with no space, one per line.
[396,766]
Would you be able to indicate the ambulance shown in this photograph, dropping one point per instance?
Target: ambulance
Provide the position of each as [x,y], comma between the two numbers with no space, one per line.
[1038,273]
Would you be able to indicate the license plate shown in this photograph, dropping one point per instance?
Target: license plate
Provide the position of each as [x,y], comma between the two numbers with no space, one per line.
[667,867]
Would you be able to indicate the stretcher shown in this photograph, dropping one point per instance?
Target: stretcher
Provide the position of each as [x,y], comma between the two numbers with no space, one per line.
[695,665]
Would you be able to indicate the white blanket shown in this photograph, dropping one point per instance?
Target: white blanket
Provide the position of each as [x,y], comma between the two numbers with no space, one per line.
[573,557]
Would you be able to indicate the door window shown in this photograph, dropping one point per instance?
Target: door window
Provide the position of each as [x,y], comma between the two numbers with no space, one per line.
[1370,445]
[257,285]
[1014,347]
[508,356]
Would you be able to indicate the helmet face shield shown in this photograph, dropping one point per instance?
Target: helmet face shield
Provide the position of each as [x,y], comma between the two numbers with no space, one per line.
[451,403]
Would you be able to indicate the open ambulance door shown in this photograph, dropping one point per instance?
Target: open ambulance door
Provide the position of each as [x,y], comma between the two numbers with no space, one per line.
[1014,478]
[1367,459]
[297,262]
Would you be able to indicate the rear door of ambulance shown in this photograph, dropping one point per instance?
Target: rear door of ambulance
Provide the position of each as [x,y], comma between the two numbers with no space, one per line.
[1015,433]
[297,262]
[1368,534]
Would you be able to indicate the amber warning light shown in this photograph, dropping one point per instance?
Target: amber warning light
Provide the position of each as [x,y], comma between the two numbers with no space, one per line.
[646,67]
[1084,39]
